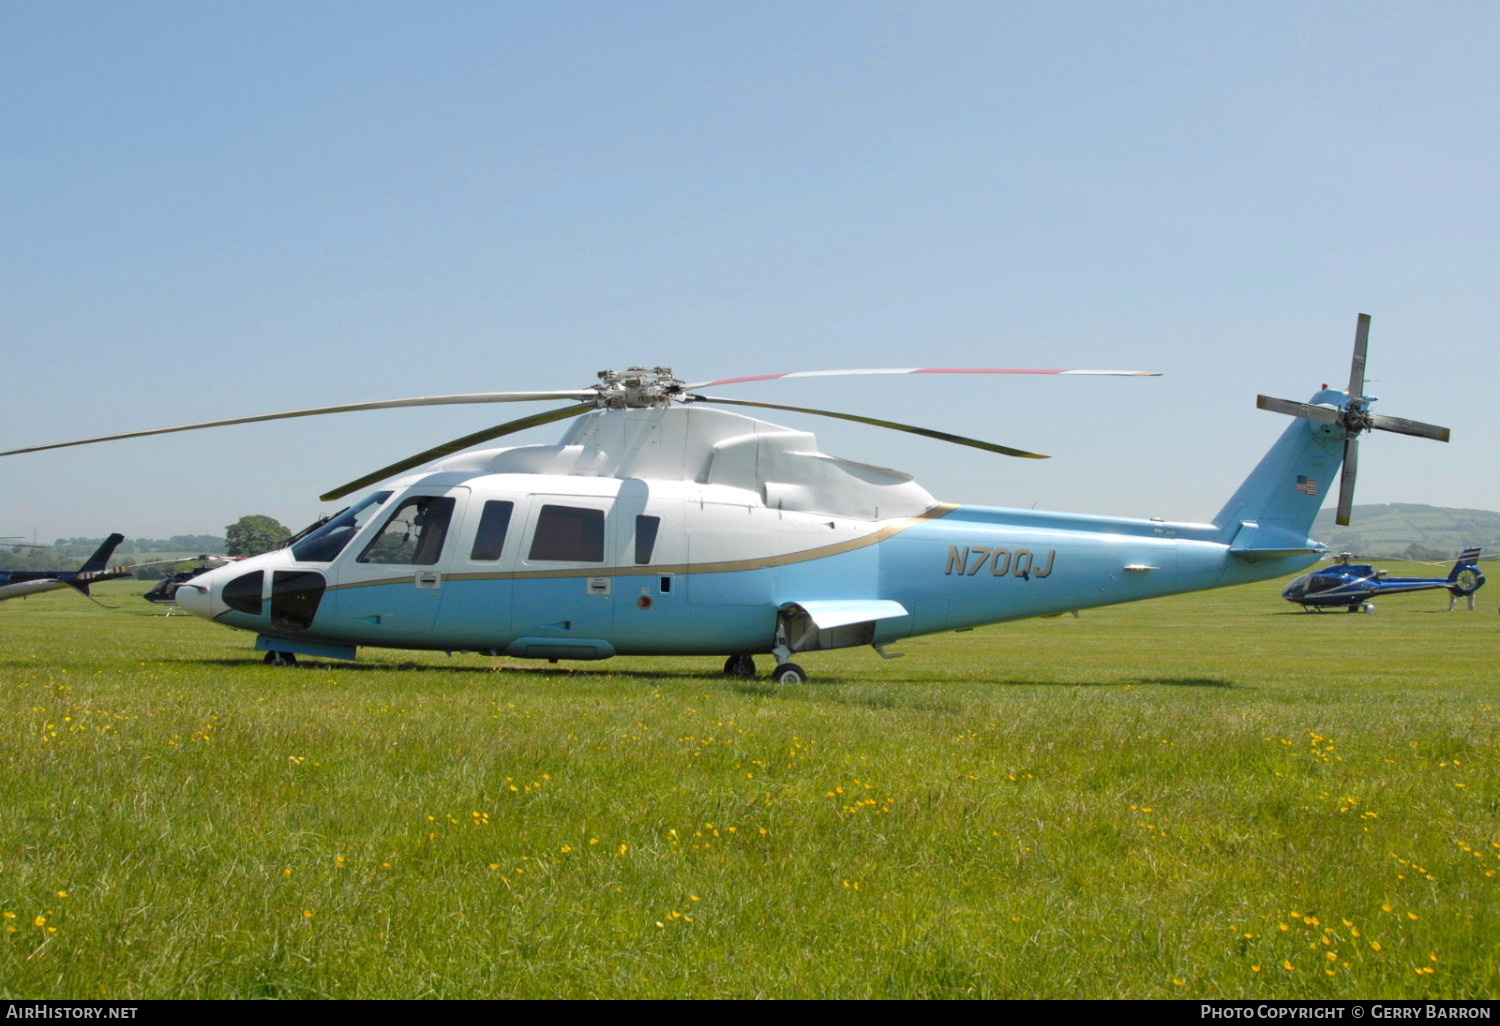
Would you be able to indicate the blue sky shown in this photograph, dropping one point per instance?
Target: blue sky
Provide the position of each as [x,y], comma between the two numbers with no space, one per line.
[216,210]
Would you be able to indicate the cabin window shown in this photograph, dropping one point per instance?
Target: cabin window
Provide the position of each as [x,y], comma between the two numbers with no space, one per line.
[324,543]
[489,540]
[568,534]
[414,534]
[645,537]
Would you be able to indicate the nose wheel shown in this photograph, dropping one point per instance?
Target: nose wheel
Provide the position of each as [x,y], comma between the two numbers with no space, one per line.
[280,659]
[742,665]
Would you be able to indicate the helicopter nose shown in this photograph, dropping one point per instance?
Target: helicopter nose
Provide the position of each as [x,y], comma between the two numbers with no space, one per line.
[195,599]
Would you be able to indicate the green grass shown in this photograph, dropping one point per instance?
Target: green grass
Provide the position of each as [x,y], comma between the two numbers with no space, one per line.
[1180,798]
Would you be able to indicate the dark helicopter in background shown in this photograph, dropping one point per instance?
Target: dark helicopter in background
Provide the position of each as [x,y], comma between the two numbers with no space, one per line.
[21,583]
[164,592]
[1351,586]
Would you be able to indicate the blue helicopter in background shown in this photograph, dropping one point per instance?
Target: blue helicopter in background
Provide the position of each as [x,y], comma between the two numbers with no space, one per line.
[1351,586]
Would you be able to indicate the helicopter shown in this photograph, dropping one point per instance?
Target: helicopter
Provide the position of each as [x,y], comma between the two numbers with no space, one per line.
[20,583]
[662,525]
[1351,585]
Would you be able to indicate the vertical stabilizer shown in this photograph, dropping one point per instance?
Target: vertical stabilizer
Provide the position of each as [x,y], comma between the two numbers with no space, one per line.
[1273,510]
[100,559]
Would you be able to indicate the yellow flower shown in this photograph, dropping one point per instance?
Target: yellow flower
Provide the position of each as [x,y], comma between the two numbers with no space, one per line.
[1287,965]
[39,921]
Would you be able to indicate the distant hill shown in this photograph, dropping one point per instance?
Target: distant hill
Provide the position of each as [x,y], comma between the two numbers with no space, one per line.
[1411,531]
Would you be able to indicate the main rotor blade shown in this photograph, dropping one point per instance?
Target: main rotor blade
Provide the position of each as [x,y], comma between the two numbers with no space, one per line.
[1357,365]
[1322,414]
[1401,425]
[457,445]
[1346,480]
[917,370]
[389,404]
[941,436]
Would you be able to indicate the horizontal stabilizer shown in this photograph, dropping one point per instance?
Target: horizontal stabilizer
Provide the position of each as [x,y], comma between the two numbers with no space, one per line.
[1252,541]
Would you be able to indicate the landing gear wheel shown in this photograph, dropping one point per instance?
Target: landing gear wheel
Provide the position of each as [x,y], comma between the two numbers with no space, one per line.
[1368,607]
[739,666]
[280,659]
[789,673]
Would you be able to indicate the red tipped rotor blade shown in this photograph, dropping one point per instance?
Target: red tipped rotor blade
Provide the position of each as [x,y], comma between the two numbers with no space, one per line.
[919,370]
[941,436]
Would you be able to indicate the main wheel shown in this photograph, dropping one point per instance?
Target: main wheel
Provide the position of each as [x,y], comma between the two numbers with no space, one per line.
[741,665]
[789,673]
[280,659]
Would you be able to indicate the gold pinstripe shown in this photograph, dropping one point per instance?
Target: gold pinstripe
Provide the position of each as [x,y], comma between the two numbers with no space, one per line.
[935,512]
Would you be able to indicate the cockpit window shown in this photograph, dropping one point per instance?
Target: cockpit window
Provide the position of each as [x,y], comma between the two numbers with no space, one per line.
[414,534]
[323,544]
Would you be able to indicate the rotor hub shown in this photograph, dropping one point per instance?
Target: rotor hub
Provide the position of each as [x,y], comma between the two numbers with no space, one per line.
[638,388]
[1357,418]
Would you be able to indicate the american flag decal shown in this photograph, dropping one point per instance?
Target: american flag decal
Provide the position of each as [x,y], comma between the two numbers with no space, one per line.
[1307,485]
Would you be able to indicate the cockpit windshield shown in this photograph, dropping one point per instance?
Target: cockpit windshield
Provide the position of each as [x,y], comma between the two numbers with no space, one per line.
[324,544]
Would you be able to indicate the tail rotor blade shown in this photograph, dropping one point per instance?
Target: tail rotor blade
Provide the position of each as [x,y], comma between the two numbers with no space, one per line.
[1357,365]
[1402,426]
[457,445]
[1346,481]
[1321,414]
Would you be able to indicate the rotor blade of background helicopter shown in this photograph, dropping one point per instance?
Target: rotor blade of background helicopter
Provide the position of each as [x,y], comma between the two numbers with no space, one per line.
[1319,413]
[941,436]
[1401,425]
[1346,480]
[919,370]
[457,445]
[389,404]
[1357,365]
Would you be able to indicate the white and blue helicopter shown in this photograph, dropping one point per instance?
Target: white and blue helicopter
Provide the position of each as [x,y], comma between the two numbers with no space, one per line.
[661,526]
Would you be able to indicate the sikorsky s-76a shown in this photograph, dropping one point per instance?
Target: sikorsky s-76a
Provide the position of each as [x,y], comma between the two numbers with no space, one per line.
[659,525]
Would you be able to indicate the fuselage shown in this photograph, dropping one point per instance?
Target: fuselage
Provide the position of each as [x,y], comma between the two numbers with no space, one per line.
[562,566]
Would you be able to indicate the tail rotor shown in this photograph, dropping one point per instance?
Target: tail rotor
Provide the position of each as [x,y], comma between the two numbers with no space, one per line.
[1354,418]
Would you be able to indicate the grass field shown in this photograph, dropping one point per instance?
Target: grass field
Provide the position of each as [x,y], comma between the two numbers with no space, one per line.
[1204,797]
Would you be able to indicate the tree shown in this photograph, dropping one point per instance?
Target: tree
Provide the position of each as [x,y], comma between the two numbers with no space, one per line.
[252,535]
